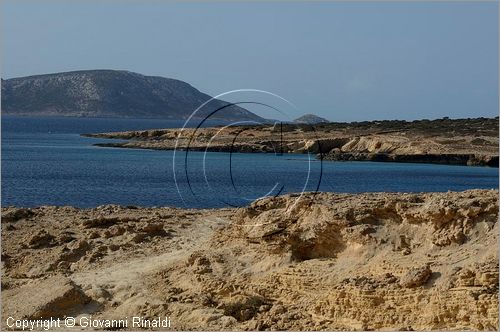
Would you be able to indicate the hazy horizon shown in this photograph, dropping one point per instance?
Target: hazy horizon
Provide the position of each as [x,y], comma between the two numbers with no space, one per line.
[340,61]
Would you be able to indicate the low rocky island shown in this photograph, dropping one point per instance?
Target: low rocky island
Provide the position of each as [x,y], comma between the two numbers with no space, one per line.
[471,142]
[319,261]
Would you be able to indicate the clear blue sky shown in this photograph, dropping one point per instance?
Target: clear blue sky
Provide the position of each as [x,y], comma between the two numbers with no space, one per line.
[342,61]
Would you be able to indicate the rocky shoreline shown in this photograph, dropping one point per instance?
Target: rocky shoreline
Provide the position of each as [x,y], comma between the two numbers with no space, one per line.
[470,142]
[447,159]
[322,262]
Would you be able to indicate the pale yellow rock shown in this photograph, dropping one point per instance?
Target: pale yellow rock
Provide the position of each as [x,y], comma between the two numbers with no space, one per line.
[383,261]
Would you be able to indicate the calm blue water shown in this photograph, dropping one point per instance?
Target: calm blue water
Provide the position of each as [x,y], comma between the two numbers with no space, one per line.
[46,162]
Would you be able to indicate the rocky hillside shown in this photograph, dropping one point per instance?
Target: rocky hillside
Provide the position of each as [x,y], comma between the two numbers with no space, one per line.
[109,93]
[310,119]
[322,262]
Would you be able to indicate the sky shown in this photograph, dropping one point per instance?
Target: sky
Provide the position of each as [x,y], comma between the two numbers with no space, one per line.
[342,61]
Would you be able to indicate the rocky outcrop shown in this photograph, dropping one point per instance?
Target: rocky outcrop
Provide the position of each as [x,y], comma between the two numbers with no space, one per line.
[358,262]
[319,261]
[310,119]
[450,159]
[56,297]
[16,214]
[472,142]
[416,277]
[391,148]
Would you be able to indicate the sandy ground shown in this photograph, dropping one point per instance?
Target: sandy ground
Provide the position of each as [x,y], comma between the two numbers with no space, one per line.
[316,262]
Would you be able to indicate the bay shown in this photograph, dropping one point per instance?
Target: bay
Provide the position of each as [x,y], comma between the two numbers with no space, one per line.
[45,161]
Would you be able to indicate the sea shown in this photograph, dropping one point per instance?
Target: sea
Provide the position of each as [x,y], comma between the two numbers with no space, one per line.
[46,161]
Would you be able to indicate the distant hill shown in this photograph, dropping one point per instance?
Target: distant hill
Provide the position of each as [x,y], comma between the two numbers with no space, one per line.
[110,93]
[310,119]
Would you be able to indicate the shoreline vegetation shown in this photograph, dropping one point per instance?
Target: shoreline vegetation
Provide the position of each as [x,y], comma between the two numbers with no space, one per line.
[324,262]
[472,142]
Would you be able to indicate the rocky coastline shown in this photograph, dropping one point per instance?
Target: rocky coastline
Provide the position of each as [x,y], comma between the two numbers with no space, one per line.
[468,142]
[321,261]
[447,159]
